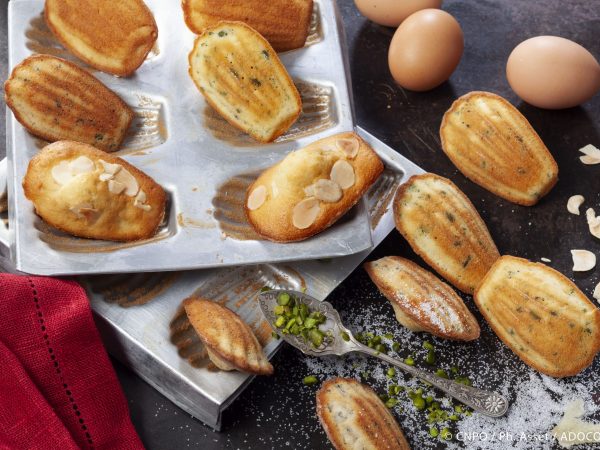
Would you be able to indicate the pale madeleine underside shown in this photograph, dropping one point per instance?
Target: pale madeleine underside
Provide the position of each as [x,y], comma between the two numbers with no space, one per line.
[443,227]
[230,342]
[494,145]
[84,205]
[355,418]
[112,36]
[56,100]
[242,78]
[422,301]
[541,315]
[284,23]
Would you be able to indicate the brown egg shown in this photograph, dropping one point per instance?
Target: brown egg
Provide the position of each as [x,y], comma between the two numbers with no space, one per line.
[552,72]
[425,50]
[391,13]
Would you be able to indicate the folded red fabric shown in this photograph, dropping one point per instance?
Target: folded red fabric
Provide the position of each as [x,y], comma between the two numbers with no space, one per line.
[57,386]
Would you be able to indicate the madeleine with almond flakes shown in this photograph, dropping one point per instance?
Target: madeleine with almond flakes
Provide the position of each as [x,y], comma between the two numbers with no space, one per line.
[88,193]
[311,188]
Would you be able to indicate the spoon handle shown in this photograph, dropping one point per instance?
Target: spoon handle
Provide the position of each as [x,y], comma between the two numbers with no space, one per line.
[486,402]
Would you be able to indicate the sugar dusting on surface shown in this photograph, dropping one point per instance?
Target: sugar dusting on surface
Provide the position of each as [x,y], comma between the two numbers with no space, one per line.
[537,401]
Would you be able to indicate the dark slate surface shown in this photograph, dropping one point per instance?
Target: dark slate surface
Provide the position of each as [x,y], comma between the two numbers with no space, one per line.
[278,412]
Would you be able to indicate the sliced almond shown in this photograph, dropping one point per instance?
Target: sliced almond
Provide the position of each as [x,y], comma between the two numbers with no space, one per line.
[305,213]
[349,146]
[257,197]
[140,201]
[342,173]
[131,184]
[546,260]
[115,187]
[573,204]
[325,190]
[583,260]
[109,167]
[82,164]
[593,222]
[596,293]
[61,173]
[592,154]
[84,211]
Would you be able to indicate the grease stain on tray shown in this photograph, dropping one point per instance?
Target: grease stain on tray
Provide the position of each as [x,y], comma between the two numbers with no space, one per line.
[228,204]
[131,289]
[189,222]
[381,194]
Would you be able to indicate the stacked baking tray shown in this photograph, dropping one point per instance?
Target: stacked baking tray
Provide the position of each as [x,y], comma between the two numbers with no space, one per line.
[205,166]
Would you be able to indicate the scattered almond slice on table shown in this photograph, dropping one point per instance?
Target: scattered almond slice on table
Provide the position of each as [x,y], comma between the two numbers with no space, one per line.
[572,430]
[583,260]
[591,155]
[596,293]
[593,222]
[574,202]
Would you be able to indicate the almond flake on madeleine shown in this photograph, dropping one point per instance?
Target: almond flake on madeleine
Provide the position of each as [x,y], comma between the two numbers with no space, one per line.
[421,301]
[229,341]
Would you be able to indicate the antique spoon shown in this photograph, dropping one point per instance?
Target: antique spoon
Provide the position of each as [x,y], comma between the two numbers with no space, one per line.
[489,403]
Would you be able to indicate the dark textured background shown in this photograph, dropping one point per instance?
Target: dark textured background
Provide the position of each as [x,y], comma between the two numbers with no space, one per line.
[409,122]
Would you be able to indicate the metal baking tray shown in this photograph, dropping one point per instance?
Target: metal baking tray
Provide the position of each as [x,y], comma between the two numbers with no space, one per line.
[203,163]
[134,311]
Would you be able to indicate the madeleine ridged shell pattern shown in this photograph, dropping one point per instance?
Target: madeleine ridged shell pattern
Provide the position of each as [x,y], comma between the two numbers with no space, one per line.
[541,315]
[494,145]
[354,417]
[443,227]
[430,304]
[227,336]
[56,100]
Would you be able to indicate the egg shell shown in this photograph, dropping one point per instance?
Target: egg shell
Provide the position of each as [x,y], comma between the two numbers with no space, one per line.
[425,50]
[551,72]
[391,13]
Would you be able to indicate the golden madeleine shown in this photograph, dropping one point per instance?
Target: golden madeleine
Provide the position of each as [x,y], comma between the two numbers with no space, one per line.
[311,188]
[111,36]
[88,193]
[229,341]
[284,23]
[443,227]
[421,301]
[540,315]
[56,100]
[242,78]
[354,417]
[494,145]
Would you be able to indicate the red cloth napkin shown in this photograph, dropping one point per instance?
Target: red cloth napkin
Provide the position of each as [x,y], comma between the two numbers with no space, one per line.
[58,389]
